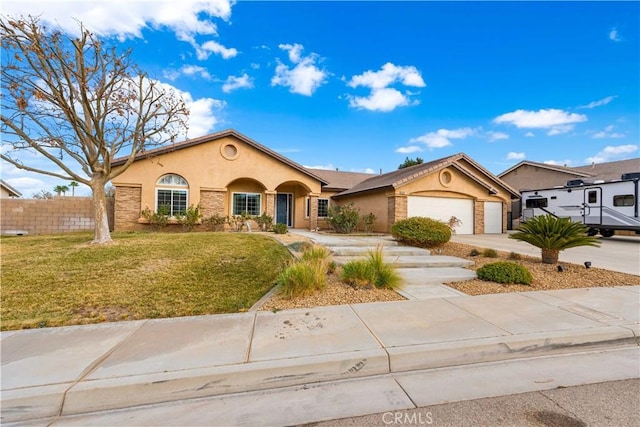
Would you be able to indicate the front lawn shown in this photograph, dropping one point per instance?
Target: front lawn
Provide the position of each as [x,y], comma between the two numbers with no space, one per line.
[61,280]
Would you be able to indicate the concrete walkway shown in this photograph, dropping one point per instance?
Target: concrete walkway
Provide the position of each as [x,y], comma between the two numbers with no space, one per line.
[393,355]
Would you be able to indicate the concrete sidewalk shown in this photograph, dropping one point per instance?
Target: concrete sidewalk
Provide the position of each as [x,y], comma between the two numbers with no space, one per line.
[391,349]
[82,369]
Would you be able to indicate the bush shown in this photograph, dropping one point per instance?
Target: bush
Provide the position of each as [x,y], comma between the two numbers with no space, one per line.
[474,252]
[215,222]
[159,219]
[515,256]
[190,218]
[373,271]
[369,222]
[505,272]
[315,253]
[490,253]
[344,219]
[421,231]
[301,278]
[280,228]
[265,222]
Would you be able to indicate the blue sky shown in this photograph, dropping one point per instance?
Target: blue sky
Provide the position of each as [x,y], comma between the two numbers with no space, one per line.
[359,86]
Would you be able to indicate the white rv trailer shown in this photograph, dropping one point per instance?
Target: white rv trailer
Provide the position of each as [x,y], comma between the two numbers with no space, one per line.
[604,206]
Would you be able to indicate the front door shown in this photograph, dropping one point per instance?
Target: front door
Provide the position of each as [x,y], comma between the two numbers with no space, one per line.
[284,209]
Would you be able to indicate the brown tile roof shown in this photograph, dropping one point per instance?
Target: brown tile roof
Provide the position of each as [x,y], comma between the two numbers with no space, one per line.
[557,168]
[611,170]
[400,177]
[213,137]
[339,180]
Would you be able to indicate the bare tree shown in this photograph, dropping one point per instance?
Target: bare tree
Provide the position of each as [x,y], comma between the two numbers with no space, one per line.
[79,104]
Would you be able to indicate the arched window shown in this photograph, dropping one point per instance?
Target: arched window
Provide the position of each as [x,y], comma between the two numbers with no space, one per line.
[172,192]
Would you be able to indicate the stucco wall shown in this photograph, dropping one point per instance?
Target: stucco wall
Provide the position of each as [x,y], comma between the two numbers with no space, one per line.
[49,216]
[532,177]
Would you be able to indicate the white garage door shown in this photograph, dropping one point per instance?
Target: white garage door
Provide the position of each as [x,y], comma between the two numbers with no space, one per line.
[493,217]
[443,209]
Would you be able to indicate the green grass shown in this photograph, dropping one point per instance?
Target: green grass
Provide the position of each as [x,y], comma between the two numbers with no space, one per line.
[62,280]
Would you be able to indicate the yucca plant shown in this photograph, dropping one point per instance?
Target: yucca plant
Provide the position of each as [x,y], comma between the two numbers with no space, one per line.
[552,235]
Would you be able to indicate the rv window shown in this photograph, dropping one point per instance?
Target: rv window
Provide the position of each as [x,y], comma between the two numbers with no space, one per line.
[593,197]
[536,203]
[554,197]
[624,200]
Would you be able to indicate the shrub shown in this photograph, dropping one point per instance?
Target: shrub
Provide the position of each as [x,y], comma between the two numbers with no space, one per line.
[315,253]
[421,231]
[280,228]
[344,219]
[490,253]
[373,271]
[214,223]
[369,222]
[474,252]
[515,256]
[159,219]
[505,272]
[265,222]
[190,218]
[301,278]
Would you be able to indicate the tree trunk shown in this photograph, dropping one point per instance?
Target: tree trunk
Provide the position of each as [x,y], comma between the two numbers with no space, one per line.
[550,256]
[101,232]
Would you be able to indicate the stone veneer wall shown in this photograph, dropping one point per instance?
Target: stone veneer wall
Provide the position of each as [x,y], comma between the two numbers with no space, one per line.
[127,208]
[212,202]
[397,209]
[478,220]
[49,216]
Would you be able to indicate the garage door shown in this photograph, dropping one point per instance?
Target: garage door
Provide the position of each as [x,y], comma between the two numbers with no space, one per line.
[493,217]
[443,209]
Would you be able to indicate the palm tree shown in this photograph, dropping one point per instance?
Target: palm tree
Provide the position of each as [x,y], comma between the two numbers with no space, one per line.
[552,235]
[61,189]
[73,186]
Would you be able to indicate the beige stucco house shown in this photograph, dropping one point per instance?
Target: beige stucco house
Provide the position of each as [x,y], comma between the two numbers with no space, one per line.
[227,173]
[7,191]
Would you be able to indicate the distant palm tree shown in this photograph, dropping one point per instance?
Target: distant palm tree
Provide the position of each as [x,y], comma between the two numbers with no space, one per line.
[60,189]
[552,235]
[73,186]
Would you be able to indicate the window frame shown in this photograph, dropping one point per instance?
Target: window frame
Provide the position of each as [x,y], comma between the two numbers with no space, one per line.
[233,203]
[307,211]
[624,198]
[177,188]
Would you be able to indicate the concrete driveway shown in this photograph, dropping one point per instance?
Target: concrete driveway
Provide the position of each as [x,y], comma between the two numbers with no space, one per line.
[619,253]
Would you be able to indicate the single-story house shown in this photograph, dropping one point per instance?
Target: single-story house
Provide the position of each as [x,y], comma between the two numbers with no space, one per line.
[528,175]
[227,173]
[7,191]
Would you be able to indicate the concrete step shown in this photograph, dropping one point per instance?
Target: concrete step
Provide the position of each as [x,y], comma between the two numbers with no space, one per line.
[388,251]
[357,242]
[429,261]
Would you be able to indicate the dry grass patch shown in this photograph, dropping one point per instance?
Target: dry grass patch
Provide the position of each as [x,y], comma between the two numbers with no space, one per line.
[60,280]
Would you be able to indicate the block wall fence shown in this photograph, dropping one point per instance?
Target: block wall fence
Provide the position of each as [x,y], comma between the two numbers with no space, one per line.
[49,216]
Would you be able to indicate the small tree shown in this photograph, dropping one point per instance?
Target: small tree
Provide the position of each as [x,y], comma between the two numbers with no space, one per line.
[79,104]
[42,195]
[344,219]
[552,235]
[73,186]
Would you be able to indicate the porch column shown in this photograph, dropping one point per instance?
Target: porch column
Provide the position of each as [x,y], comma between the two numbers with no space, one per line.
[313,211]
[396,209]
[478,221]
[270,207]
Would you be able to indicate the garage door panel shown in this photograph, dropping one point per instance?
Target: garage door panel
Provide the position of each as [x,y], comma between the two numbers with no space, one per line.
[443,209]
[493,217]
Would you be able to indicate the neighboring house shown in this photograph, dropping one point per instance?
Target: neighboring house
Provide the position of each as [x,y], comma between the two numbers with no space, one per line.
[528,175]
[227,173]
[7,191]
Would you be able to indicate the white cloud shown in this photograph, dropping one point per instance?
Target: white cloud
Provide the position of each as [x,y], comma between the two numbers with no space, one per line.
[608,132]
[305,78]
[328,167]
[381,96]
[515,156]
[529,134]
[409,149]
[565,163]
[496,136]
[128,18]
[442,137]
[242,82]
[614,35]
[363,170]
[207,48]
[611,153]
[187,70]
[557,121]
[598,103]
